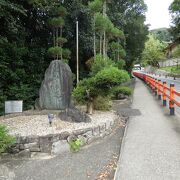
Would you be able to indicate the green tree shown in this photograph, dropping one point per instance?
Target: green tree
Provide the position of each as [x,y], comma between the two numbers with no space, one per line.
[95,7]
[176,52]
[175,13]
[153,51]
[130,17]
[162,34]
[24,39]
[58,13]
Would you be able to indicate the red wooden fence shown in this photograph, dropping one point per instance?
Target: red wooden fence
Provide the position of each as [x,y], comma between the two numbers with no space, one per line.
[161,89]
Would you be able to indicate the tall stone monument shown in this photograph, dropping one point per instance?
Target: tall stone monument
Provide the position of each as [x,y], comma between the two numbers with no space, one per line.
[56,88]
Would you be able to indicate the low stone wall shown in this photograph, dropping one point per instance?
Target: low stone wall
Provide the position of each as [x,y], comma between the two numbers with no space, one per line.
[58,143]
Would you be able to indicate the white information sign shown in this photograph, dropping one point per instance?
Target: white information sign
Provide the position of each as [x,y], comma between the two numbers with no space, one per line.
[13,106]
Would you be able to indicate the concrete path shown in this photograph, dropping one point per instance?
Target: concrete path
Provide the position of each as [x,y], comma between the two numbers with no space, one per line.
[151,145]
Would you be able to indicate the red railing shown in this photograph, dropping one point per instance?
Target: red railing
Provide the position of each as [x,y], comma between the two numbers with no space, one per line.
[161,90]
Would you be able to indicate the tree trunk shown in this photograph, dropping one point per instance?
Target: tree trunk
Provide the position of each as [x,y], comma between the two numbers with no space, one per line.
[100,45]
[61,44]
[89,107]
[104,41]
[57,41]
[94,39]
[118,50]
[104,45]
[54,38]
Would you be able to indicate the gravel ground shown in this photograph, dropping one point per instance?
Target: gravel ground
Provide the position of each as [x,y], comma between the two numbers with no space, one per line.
[38,124]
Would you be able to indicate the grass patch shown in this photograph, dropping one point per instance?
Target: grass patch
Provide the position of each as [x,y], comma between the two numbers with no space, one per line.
[172,69]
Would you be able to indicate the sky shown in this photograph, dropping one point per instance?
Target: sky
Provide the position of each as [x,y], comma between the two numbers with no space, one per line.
[158,14]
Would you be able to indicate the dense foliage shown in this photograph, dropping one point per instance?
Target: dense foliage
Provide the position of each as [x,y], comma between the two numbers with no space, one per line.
[162,34]
[100,63]
[28,27]
[175,13]
[176,52]
[153,51]
[174,70]
[118,90]
[102,103]
[100,84]
[6,140]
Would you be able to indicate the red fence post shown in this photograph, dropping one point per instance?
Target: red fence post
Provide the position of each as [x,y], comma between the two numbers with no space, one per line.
[171,101]
[164,93]
[155,87]
[159,89]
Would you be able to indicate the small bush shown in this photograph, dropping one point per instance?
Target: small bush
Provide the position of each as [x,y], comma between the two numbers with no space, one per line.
[79,93]
[121,90]
[76,144]
[102,103]
[6,140]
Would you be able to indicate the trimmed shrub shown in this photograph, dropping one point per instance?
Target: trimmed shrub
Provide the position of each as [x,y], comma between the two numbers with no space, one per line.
[110,77]
[80,92]
[102,103]
[55,51]
[100,84]
[6,140]
[116,91]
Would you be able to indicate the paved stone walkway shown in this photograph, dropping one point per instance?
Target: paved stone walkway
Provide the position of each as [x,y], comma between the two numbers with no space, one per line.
[151,145]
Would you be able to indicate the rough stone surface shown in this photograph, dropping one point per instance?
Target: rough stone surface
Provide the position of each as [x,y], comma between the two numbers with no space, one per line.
[88,134]
[60,147]
[83,139]
[71,138]
[96,131]
[46,143]
[81,131]
[108,125]
[24,154]
[64,135]
[33,147]
[75,115]
[102,128]
[93,138]
[55,91]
